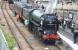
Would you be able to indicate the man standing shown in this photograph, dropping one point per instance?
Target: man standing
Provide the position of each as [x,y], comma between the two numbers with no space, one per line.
[72,27]
[75,33]
[64,24]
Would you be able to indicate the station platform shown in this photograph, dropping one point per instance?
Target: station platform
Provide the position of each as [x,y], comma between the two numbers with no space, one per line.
[67,36]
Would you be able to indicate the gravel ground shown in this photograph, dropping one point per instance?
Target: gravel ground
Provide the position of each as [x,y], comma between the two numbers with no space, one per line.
[5,27]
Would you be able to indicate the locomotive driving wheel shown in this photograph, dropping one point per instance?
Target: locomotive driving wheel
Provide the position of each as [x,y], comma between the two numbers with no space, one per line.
[30,26]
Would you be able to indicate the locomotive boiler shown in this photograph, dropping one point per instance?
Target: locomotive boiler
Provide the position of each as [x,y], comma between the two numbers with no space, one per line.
[44,26]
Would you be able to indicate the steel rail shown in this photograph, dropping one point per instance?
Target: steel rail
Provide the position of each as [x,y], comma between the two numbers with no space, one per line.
[19,29]
[9,25]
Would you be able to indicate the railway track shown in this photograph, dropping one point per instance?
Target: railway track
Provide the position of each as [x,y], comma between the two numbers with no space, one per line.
[18,29]
[32,43]
[27,35]
[22,43]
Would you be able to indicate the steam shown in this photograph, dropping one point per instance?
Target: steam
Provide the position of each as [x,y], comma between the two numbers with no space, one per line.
[51,6]
[24,1]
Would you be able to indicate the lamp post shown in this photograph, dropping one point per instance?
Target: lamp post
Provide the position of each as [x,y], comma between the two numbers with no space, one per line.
[62,8]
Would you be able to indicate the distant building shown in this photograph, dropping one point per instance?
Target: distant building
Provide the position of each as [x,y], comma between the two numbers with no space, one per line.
[60,0]
[71,0]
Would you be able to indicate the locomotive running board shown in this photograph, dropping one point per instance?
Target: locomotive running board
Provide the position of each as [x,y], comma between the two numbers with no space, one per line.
[68,41]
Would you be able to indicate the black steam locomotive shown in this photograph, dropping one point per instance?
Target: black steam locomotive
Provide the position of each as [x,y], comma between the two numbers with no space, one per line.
[44,26]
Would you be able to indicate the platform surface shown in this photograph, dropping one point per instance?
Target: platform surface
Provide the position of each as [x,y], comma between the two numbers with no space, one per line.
[67,36]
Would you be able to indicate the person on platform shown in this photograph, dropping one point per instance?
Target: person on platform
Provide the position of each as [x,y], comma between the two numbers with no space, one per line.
[43,8]
[64,24]
[72,27]
[75,33]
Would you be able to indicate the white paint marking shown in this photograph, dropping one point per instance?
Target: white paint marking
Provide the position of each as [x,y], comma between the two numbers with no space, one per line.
[74,46]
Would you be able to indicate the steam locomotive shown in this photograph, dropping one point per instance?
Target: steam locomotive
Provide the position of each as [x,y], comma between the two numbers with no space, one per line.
[44,26]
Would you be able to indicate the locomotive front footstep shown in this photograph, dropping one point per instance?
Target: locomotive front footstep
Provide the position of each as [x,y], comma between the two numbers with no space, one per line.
[46,49]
